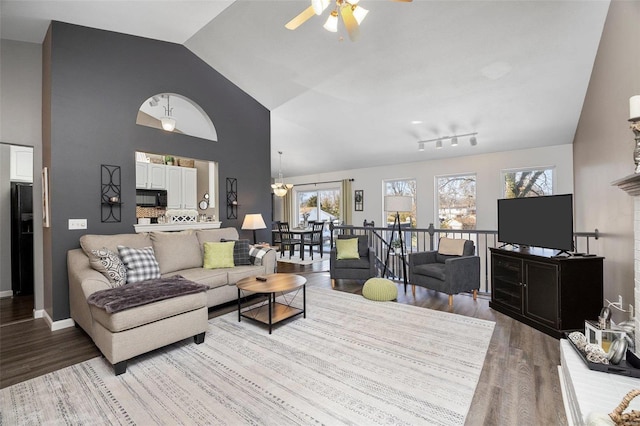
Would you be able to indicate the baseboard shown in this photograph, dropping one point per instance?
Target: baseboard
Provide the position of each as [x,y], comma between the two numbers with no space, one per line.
[6,293]
[57,325]
[38,313]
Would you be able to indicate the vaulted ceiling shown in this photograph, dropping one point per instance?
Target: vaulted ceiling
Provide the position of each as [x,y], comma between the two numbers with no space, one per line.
[515,72]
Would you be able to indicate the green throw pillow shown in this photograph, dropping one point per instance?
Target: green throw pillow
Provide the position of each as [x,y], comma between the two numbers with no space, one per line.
[218,255]
[347,249]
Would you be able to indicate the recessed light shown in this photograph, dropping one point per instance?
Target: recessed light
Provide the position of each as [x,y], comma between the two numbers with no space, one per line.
[416,122]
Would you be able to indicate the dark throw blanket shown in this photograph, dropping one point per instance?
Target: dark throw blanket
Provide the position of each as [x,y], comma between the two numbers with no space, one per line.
[143,292]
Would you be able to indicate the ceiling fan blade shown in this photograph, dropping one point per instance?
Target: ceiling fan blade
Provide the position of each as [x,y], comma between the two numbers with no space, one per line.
[403,1]
[300,19]
[350,22]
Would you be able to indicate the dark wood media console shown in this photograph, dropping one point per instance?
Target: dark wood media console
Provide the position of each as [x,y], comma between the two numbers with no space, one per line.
[552,294]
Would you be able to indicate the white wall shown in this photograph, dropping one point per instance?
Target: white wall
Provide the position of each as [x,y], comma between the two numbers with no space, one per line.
[603,150]
[21,124]
[5,219]
[487,167]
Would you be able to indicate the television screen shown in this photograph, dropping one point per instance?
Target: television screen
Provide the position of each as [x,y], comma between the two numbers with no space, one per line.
[545,222]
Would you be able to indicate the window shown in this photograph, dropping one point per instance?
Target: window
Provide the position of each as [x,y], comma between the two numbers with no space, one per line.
[318,205]
[527,182]
[401,187]
[456,202]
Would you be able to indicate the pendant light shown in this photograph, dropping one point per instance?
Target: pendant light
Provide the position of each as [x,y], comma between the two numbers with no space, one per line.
[279,187]
[168,122]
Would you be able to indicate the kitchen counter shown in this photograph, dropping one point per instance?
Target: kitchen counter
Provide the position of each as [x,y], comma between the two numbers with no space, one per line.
[164,227]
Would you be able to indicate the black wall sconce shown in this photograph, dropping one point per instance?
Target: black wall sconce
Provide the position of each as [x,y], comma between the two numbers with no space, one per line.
[232,198]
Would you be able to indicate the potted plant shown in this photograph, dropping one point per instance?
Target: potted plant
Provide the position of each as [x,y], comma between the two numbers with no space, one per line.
[169,160]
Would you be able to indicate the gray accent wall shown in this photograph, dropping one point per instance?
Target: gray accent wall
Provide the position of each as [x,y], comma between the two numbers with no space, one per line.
[603,150]
[94,83]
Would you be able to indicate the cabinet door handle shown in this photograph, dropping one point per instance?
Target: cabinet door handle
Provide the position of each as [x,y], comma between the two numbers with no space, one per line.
[523,284]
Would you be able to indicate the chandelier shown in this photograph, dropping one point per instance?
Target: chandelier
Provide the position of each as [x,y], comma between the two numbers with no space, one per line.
[279,187]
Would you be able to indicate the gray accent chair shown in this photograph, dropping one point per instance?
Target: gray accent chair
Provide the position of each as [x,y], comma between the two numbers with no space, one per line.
[362,268]
[448,274]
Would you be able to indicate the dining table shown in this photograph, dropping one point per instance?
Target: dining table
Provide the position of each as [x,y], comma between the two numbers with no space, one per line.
[301,233]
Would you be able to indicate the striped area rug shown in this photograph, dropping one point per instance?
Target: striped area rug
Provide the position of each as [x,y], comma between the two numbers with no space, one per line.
[351,361]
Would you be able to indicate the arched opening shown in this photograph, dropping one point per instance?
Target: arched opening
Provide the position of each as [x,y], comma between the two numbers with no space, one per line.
[188,117]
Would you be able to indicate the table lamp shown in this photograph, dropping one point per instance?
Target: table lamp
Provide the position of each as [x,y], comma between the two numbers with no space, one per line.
[253,221]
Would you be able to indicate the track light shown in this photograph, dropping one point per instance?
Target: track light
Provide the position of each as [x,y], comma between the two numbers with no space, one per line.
[473,141]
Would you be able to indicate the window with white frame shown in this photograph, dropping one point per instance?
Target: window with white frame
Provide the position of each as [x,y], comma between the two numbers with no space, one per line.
[532,182]
[406,187]
[456,201]
[322,205]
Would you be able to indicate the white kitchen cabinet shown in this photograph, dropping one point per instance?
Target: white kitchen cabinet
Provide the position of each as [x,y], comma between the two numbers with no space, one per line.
[157,176]
[181,187]
[151,176]
[189,188]
[141,175]
[21,164]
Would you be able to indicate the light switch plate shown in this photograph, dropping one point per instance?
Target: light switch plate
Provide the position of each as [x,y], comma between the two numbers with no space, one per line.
[77,223]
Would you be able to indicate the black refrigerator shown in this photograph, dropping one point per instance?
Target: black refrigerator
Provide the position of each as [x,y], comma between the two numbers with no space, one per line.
[21,238]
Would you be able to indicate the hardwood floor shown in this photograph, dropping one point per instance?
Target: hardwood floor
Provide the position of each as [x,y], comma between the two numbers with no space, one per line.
[519,384]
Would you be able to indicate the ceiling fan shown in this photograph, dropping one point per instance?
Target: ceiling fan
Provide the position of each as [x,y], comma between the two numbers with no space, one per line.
[352,15]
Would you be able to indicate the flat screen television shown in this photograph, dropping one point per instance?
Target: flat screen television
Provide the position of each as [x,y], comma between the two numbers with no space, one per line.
[545,222]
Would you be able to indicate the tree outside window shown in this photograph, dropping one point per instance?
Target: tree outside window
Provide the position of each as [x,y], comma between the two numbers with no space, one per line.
[456,201]
[323,205]
[527,182]
[406,187]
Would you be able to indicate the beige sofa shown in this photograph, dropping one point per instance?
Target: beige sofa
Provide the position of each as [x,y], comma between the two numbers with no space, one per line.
[126,334]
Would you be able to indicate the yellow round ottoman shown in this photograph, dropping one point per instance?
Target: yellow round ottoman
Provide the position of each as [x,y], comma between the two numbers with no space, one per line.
[380,289]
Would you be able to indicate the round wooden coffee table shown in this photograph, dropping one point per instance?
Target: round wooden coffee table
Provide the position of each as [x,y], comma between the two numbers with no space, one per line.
[272,312]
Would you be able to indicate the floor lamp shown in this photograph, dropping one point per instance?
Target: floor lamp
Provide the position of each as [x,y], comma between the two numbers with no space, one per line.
[397,203]
[253,221]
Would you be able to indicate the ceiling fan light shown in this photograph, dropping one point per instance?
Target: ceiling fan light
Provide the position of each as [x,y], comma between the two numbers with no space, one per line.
[438,144]
[473,141]
[359,13]
[454,141]
[319,6]
[421,146]
[332,22]
[168,124]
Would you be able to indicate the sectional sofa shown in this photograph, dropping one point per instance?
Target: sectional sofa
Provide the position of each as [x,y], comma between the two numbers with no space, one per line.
[123,335]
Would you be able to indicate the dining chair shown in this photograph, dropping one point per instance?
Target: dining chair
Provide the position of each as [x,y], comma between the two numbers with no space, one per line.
[287,239]
[316,238]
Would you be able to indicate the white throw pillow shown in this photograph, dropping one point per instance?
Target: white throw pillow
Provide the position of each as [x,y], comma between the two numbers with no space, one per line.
[450,246]
[110,265]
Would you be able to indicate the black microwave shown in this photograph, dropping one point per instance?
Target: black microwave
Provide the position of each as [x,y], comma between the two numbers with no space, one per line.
[151,198]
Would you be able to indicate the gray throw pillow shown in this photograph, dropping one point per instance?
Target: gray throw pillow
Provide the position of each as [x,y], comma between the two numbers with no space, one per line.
[240,252]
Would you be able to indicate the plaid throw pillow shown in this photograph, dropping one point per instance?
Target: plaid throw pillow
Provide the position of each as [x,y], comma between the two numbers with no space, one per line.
[141,263]
[240,252]
[256,255]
